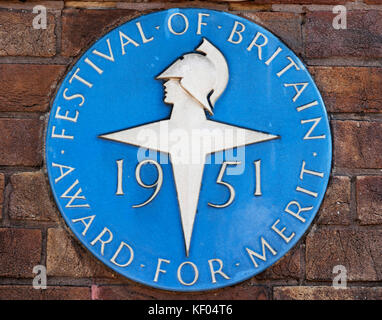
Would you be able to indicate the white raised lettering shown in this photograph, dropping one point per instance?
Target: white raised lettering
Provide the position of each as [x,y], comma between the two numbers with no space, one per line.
[159,270]
[169,23]
[218,271]
[281,232]
[296,214]
[103,242]
[314,125]
[66,115]
[196,273]
[80,79]
[237,32]
[62,173]
[122,36]
[259,46]
[74,197]
[200,22]
[87,225]
[115,256]
[109,57]
[143,37]
[253,254]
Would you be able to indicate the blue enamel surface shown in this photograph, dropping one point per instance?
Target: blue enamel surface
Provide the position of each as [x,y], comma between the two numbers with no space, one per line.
[127,95]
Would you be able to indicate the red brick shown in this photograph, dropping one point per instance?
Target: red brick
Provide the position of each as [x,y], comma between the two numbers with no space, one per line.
[285,25]
[163,5]
[327,293]
[335,209]
[289,267]
[296,1]
[369,199]
[67,258]
[248,6]
[50,293]
[19,38]
[29,199]
[137,292]
[20,251]
[82,27]
[359,251]
[2,186]
[361,39]
[357,144]
[20,142]
[349,89]
[27,87]
[288,1]
[373,1]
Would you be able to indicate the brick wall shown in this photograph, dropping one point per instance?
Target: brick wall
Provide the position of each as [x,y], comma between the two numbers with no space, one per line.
[347,67]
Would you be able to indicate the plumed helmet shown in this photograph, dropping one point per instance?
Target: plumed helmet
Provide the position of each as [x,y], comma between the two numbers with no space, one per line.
[203,75]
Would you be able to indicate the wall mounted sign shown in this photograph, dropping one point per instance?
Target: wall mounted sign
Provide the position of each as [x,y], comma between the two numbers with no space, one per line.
[188,149]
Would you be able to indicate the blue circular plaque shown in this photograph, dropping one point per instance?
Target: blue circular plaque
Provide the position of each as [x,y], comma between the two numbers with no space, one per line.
[188,149]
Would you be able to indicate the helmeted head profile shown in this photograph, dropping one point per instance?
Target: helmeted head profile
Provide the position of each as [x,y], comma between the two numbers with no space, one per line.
[203,75]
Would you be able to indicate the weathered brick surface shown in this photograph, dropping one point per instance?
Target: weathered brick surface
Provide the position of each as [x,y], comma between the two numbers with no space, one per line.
[249,3]
[361,39]
[285,25]
[2,185]
[359,251]
[27,87]
[369,199]
[21,142]
[20,251]
[372,1]
[289,267]
[81,27]
[29,199]
[137,292]
[249,6]
[349,89]
[50,293]
[66,258]
[19,38]
[335,209]
[326,293]
[347,231]
[160,5]
[357,144]
[301,1]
